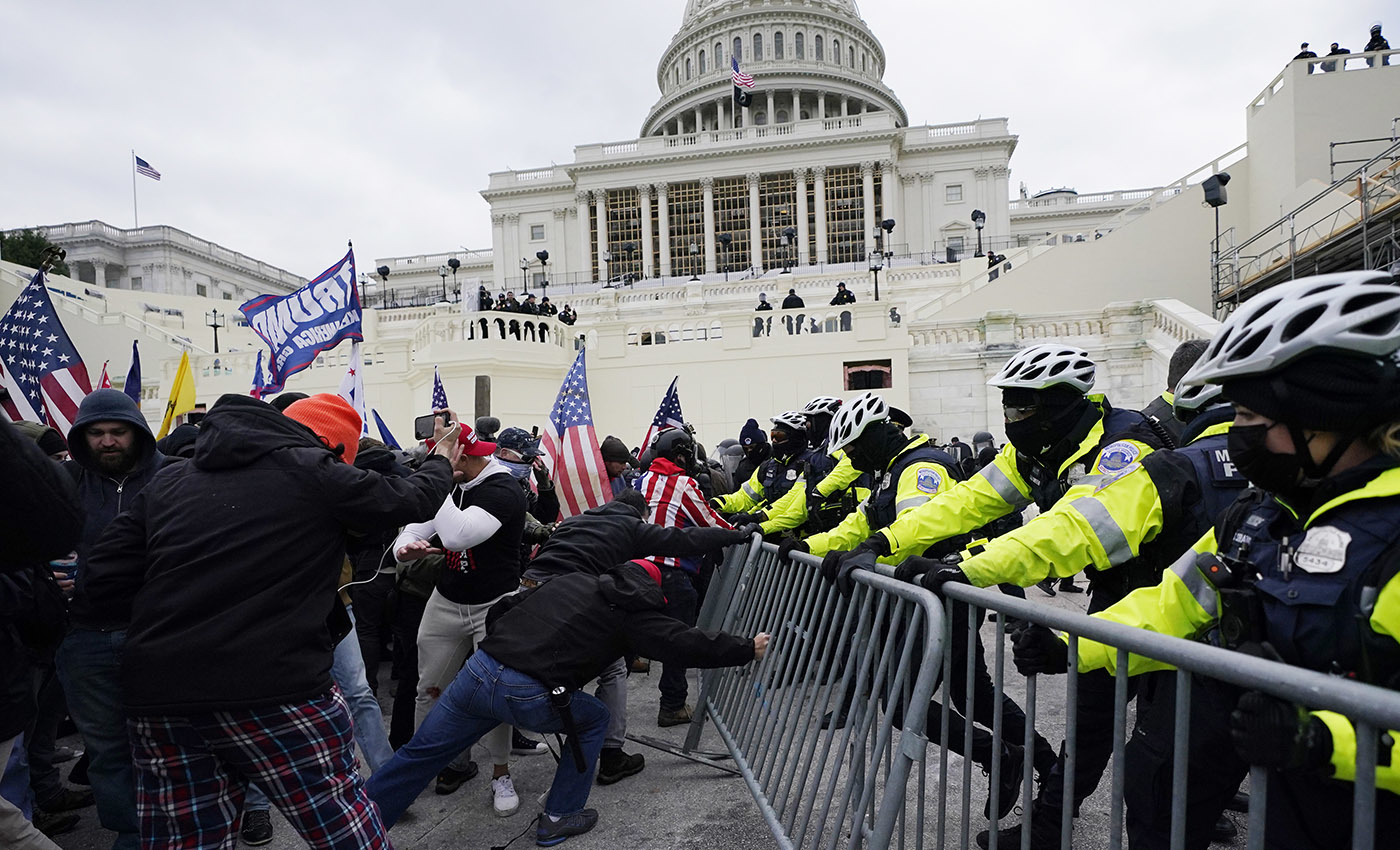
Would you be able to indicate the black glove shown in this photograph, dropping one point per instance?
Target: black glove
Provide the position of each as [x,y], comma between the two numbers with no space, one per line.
[911,568]
[716,505]
[790,545]
[935,579]
[1278,734]
[876,543]
[749,529]
[1038,650]
[744,519]
[831,563]
[857,561]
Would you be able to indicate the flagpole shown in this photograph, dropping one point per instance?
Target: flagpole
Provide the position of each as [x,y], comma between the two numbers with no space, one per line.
[135,216]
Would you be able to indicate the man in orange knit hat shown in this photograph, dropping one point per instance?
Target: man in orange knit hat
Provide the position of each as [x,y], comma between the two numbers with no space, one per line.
[228,563]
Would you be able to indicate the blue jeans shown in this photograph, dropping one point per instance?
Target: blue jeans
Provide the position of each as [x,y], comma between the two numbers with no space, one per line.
[14,781]
[89,666]
[682,603]
[348,670]
[485,694]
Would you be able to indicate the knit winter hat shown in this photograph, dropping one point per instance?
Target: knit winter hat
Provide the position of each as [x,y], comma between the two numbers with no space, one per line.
[751,434]
[332,419]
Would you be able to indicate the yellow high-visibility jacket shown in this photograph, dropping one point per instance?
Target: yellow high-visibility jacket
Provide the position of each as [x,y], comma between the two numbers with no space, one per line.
[791,510]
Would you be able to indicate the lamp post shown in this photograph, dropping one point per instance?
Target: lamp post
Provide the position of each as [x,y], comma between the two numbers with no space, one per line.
[789,240]
[724,239]
[214,319]
[631,249]
[877,263]
[543,257]
[979,220]
[607,264]
[367,283]
[694,261]
[1216,197]
[442,273]
[454,264]
[383,272]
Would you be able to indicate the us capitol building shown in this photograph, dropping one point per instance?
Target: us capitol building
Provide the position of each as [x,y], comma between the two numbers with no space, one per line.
[662,243]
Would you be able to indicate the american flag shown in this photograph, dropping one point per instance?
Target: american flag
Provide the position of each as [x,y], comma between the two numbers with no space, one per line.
[439,394]
[38,363]
[741,79]
[132,387]
[571,443]
[104,382]
[259,381]
[144,167]
[667,416]
[352,387]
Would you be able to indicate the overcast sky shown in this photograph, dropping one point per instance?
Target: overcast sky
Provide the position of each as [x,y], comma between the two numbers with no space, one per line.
[282,129]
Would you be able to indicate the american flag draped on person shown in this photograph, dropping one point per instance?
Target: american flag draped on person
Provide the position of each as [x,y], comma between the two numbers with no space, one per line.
[667,416]
[39,365]
[570,441]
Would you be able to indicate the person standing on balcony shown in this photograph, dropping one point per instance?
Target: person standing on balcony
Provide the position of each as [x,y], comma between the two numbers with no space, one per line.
[763,302]
[843,295]
[1377,41]
[793,301]
[1336,50]
[1304,52]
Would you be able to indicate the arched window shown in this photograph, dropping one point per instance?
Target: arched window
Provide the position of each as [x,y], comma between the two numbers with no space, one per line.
[817,44]
[757,46]
[703,69]
[836,50]
[852,51]
[719,56]
[760,119]
[687,67]
[862,63]
[777,45]
[738,49]
[798,48]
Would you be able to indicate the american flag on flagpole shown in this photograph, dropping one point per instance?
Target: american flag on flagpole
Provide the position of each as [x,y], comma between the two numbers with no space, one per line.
[439,394]
[667,416]
[352,387]
[741,79]
[144,167]
[259,381]
[573,446]
[104,382]
[39,364]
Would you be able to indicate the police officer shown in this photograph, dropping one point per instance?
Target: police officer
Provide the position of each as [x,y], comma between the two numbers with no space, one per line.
[829,492]
[775,476]
[1304,567]
[1160,411]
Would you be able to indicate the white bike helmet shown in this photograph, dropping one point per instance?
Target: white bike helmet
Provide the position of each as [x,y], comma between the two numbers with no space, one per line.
[1047,365]
[852,419]
[822,404]
[791,419]
[1191,399]
[1350,312]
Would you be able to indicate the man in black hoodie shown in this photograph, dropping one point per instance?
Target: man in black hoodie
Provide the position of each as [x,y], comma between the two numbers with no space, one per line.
[114,456]
[227,566]
[558,635]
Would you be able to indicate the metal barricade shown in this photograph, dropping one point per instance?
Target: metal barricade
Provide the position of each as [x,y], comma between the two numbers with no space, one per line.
[815,729]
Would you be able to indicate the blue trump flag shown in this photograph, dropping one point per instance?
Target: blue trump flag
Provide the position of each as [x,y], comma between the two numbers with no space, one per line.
[132,387]
[313,319]
[384,435]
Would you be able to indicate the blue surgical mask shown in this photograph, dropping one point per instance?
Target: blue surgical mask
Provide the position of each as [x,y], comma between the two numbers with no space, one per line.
[517,469]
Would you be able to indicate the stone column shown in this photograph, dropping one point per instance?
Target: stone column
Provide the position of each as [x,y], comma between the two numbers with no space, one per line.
[644,207]
[699,120]
[513,251]
[796,114]
[663,222]
[819,193]
[772,115]
[600,209]
[755,228]
[99,275]
[583,251]
[889,185]
[998,208]
[867,178]
[803,255]
[927,205]
[723,120]
[559,257]
[821,105]
[845,105]
[708,184]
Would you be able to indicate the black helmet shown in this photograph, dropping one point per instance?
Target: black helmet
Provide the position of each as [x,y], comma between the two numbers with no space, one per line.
[675,445]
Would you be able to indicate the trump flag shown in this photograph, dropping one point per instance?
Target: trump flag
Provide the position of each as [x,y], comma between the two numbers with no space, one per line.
[311,320]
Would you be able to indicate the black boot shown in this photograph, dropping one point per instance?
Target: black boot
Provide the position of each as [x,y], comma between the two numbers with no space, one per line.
[1045,831]
[1009,782]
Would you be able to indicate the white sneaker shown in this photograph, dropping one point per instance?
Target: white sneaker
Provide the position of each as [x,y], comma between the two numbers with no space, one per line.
[504,799]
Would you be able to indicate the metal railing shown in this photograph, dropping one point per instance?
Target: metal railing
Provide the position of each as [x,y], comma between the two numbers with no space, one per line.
[879,653]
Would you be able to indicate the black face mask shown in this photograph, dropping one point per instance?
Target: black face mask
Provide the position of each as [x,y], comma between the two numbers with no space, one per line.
[1279,474]
[1039,433]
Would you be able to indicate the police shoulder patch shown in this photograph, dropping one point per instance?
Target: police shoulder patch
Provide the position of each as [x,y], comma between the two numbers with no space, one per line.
[929,481]
[1107,478]
[1117,456]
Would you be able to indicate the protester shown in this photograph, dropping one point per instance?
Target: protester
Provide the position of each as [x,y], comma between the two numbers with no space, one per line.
[793,301]
[209,591]
[478,528]
[619,464]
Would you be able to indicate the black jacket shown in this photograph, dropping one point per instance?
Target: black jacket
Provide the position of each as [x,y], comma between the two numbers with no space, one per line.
[600,538]
[565,631]
[233,558]
[793,302]
[40,518]
[368,551]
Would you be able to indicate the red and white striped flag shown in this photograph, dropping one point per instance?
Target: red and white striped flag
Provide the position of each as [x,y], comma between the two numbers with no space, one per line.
[104,383]
[39,364]
[573,446]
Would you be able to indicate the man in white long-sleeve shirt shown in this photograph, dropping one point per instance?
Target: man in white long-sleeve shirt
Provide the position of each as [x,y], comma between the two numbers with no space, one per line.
[478,530]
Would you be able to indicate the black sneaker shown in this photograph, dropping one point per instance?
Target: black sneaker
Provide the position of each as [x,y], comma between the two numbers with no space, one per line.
[67,800]
[451,778]
[523,746]
[1239,803]
[1067,585]
[56,823]
[1045,832]
[257,827]
[78,773]
[1010,783]
[1224,831]
[614,765]
[550,832]
[1047,586]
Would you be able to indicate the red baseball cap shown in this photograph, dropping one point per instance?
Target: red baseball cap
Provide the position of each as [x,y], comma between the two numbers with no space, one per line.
[471,445]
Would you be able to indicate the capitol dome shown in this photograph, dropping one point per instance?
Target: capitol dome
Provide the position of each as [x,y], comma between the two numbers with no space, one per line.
[809,59]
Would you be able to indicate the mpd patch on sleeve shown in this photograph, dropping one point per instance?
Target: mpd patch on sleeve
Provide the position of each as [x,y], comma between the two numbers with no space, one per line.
[929,481]
[1118,456]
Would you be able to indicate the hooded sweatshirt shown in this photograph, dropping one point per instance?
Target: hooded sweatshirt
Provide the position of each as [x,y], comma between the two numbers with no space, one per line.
[564,632]
[230,561]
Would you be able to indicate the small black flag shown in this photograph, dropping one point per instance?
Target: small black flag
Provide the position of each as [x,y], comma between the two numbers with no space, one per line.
[742,98]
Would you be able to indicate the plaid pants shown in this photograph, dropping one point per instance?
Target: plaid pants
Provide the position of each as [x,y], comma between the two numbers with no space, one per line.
[192,774]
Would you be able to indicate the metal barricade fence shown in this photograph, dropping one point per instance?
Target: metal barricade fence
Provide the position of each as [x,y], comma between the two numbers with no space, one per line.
[881,652]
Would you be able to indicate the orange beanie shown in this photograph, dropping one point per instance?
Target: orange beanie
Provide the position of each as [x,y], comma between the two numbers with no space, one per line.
[333,420]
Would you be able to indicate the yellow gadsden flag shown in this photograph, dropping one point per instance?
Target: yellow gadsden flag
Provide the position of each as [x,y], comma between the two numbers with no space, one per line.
[181,395]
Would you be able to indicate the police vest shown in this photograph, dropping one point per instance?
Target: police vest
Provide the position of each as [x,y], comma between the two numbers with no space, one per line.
[776,477]
[1047,488]
[1220,482]
[1313,590]
[882,506]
